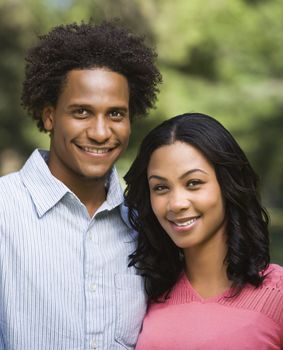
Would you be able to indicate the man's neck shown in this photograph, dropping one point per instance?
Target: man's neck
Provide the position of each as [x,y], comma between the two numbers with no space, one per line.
[91,193]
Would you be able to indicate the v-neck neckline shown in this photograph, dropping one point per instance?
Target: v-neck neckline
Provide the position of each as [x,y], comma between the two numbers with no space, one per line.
[227,293]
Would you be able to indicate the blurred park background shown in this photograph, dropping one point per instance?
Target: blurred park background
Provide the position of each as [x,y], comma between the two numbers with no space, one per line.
[220,57]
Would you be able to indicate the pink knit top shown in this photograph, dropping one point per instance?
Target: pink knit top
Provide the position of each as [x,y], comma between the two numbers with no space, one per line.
[252,320]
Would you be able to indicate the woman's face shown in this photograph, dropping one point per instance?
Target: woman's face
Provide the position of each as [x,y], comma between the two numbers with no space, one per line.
[185,195]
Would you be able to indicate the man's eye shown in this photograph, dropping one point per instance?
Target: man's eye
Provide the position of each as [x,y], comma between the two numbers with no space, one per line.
[81,113]
[117,114]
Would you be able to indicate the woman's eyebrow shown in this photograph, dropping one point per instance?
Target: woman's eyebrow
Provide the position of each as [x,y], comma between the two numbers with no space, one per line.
[181,177]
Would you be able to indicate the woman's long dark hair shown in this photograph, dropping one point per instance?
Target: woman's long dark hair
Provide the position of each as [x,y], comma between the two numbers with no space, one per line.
[157,258]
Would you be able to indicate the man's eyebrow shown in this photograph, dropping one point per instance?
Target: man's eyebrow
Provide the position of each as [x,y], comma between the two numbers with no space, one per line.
[89,106]
[79,105]
[191,171]
[120,108]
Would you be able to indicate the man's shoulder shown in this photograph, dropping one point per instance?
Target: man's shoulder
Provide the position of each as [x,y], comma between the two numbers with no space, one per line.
[15,182]
[10,181]
[10,187]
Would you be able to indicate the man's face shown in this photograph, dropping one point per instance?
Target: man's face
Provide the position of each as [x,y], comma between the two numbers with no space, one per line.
[89,126]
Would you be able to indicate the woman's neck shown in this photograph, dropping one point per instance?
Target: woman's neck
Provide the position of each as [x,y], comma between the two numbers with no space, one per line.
[206,268]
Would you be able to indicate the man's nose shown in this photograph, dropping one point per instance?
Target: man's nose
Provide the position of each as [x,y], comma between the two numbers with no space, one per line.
[99,130]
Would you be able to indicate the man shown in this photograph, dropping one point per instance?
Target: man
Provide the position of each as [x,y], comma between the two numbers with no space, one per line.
[65,280]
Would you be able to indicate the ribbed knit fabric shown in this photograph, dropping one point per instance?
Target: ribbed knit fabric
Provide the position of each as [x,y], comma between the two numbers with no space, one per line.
[252,320]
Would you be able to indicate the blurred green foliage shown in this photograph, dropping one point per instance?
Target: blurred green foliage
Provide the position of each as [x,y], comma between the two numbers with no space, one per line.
[224,58]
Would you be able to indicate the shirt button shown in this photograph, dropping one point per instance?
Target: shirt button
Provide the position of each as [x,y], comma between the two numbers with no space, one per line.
[93,344]
[92,287]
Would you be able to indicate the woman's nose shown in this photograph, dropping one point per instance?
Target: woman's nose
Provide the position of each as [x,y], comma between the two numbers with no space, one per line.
[179,201]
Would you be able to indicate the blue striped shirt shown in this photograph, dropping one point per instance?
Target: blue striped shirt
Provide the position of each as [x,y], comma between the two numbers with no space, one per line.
[65,283]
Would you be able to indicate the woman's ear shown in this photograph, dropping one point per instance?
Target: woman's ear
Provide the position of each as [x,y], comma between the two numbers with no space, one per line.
[48,118]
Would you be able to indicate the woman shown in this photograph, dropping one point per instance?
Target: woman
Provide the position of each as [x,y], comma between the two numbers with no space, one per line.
[203,244]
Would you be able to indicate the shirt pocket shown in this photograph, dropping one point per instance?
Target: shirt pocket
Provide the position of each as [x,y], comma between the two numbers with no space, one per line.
[131,306]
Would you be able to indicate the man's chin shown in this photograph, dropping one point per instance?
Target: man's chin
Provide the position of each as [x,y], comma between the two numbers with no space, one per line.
[94,177]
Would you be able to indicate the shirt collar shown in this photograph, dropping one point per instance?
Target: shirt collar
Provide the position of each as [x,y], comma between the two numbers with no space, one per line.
[114,196]
[46,190]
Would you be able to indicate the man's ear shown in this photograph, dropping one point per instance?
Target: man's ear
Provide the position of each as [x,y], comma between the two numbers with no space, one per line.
[48,118]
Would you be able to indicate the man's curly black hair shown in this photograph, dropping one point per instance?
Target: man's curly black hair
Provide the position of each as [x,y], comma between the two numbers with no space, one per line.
[85,46]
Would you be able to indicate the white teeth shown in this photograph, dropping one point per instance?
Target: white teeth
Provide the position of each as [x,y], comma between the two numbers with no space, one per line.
[187,223]
[96,150]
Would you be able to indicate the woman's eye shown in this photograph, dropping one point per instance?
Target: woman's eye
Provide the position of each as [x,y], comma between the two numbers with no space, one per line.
[159,188]
[194,183]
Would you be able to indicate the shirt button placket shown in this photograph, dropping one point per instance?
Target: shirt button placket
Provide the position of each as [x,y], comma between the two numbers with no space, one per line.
[93,344]
[92,287]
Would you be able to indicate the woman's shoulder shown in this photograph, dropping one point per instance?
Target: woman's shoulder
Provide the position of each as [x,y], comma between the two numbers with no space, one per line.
[274,277]
[271,292]
[180,293]
[267,299]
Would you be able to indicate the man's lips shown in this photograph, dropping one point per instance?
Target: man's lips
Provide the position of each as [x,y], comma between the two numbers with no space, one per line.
[96,150]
